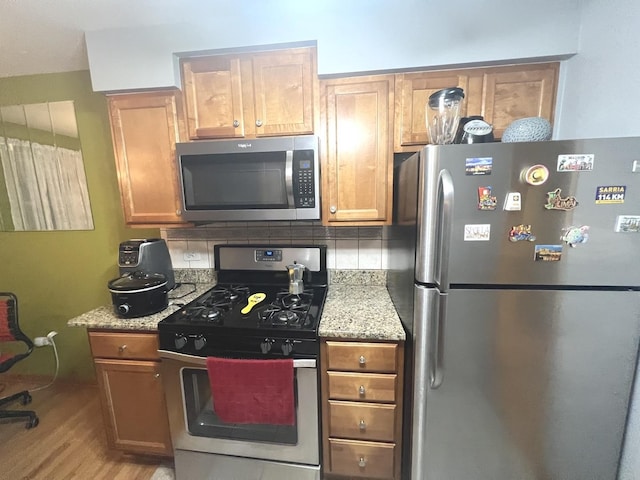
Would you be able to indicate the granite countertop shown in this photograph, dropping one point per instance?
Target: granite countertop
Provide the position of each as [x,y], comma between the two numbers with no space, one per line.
[104,316]
[363,312]
[358,306]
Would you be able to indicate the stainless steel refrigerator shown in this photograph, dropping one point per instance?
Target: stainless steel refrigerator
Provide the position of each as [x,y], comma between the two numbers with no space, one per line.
[515,269]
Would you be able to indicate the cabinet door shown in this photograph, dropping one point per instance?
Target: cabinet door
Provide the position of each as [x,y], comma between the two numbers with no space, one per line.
[517,92]
[357,163]
[213,96]
[134,406]
[283,89]
[145,128]
[412,95]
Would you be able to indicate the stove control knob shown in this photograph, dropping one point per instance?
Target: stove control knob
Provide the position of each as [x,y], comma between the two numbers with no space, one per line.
[180,341]
[123,308]
[287,347]
[199,342]
[266,344]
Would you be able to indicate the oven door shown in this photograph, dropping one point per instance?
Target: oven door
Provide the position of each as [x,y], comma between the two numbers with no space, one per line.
[195,426]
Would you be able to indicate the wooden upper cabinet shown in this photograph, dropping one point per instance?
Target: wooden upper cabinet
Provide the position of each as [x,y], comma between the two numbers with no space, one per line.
[145,128]
[412,91]
[500,94]
[521,91]
[250,95]
[213,93]
[357,162]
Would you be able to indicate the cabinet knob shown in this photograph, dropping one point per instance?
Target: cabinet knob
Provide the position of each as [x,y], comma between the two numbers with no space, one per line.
[178,212]
[362,462]
[362,360]
[333,209]
[157,375]
[258,123]
[122,348]
[362,425]
[361,390]
[236,123]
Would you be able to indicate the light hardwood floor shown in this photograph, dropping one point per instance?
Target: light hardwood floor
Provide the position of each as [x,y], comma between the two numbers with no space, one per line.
[70,441]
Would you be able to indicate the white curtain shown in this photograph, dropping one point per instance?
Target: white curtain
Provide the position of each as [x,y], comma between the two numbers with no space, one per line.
[46,185]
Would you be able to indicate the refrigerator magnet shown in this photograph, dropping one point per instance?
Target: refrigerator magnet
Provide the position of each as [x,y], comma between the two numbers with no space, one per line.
[548,253]
[513,202]
[485,200]
[519,233]
[536,175]
[575,163]
[478,166]
[477,232]
[627,224]
[556,202]
[610,194]
[573,236]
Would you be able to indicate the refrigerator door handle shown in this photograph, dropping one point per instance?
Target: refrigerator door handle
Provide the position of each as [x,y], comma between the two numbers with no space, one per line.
[436,344]
[445,225]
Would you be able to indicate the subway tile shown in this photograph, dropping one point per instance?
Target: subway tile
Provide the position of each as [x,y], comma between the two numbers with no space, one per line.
[346,254]
[346,232]
[370,254]
[385,254]
[177,248]
[323,232]
[369,232]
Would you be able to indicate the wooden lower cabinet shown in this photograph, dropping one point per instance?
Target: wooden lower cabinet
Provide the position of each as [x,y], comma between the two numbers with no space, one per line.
[361,409]
[132,397]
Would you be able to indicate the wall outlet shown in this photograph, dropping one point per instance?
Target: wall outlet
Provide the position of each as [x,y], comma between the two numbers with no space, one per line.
[189,256]
[44,341]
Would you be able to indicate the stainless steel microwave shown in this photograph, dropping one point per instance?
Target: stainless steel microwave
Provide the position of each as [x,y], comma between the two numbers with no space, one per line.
[273,178]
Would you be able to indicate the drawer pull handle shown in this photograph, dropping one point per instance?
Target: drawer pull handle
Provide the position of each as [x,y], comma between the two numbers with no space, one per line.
[362,463]
[362,360]
[361,390]
[122,348]
[363,426]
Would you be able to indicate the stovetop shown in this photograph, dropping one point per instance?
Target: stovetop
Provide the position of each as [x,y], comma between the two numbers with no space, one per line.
[249,319]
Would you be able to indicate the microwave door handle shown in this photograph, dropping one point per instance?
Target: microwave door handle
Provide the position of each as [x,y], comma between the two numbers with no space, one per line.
[288,177]
[202,361]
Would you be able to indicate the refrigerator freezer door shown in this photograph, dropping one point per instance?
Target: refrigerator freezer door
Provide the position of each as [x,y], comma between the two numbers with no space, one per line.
[481,250]
[535,385]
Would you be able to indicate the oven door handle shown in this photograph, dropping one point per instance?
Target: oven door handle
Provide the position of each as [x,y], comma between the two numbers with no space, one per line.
[202,361]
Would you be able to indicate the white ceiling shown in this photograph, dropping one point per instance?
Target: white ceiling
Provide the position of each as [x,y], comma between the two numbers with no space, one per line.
[47,36]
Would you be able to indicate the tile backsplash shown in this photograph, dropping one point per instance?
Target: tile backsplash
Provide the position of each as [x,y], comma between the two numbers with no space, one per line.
[361,248]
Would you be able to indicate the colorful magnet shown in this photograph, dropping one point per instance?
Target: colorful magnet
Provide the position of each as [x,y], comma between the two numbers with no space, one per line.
[575,163]
[536,175]
[477,232]
[548,253]
[628,224]
[513,202]
[556,202]
[610,194]
[479,166]
[519,233]
[572,236]
[485,200]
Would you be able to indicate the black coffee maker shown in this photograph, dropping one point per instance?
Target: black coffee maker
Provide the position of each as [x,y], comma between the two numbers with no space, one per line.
[473,129]
[147,255]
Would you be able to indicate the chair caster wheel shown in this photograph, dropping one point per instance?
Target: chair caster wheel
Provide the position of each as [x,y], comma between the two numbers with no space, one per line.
[26,399]
[33,422]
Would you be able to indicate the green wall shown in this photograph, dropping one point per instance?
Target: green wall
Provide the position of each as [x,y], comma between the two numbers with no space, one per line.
[59,275]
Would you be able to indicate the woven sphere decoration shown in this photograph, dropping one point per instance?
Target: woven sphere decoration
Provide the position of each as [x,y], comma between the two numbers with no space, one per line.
[531,129]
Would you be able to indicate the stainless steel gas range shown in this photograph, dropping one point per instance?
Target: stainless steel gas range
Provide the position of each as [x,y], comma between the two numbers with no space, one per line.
[266,305]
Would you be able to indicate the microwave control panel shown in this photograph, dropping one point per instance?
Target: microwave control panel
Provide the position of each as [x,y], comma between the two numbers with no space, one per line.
[304,179]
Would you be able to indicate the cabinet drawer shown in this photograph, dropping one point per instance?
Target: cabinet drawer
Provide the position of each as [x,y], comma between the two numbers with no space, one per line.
[362,459]
[369,387]
[363,357]
[362,421]
[132,346]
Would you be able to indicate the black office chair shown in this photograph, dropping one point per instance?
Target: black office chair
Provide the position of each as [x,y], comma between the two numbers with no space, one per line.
[10,332]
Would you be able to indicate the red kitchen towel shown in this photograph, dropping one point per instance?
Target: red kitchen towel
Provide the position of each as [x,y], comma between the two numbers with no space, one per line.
[252,391]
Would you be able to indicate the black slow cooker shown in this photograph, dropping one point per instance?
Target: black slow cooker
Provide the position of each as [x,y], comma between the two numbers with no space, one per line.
[137,294]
